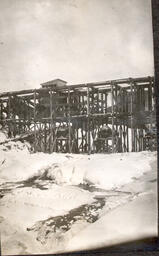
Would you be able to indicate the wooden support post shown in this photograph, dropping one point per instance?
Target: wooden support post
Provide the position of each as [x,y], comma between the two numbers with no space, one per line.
[150,96]
[88,121]
[82,135]
[124,100]
[121,101]
[45,137]
[106,103]
[51,123]
[135,141]
[138,140]
[93,134]
[124,137]
[102,105]
[143,97]
[131,111]
[1,116]
[35,122]
[9,117]
[120,136]
[77,139]
[127,138]
[97,111]
[112,110]
[116,98]
[9,107]
[83,105]
[69,123]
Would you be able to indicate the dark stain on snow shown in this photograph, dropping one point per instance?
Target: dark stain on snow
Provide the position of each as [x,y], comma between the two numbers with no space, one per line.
[37,181]
[4,191]
[92,188]
[32,182]
[61,224]
[154,180]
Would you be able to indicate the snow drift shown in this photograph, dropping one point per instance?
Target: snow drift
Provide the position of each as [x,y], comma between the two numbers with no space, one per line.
[102,170]
[43,188]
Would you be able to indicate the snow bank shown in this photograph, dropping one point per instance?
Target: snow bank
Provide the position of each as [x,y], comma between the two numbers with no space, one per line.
[117,169]
[22,207]
[133,221]
[105,171]
[57,200]
[3,136]
[17,163]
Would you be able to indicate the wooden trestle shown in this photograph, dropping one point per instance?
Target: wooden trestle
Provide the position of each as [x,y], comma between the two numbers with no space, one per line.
[69,119]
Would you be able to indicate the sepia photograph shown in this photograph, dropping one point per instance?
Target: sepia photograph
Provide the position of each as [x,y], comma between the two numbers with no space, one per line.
[78,136]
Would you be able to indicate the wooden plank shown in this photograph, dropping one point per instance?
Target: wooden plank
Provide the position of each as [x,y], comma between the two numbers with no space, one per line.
[65,88]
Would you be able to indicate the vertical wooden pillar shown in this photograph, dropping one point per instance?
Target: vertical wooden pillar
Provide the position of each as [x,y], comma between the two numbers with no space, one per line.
[83,105]
[150,95]
[97,101]
[9,107]
[106,103]
[1,115]
[45,137]
[93,134]
[69,122]
[127,138]
[124,137]
[135,140]
[93,105]
[116,98]
[35,121]
[88,121]
[102,101]
[51,124]
[82,135]
[150,99]
[9,117]
[131,113]
[112,114]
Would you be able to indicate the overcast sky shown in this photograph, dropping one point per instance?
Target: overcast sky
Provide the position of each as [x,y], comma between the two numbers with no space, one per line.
[75,40]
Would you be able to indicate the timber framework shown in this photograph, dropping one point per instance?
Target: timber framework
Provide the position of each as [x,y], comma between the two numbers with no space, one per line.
[101,117]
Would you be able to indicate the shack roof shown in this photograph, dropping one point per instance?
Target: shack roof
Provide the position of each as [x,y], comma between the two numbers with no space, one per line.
[53,82]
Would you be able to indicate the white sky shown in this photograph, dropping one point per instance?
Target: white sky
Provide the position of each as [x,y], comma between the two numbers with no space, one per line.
[75,40]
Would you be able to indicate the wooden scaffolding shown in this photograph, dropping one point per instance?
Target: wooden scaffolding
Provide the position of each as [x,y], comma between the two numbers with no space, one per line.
[109,116]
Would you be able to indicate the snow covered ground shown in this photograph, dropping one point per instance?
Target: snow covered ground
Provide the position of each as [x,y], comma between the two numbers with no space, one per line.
[59,202]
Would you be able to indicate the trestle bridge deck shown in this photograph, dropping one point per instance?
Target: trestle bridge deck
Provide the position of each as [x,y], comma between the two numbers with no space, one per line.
[73,118]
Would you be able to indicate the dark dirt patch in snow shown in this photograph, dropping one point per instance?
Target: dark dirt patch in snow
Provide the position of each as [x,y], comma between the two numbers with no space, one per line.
[40,180]
[61,224]
[92,188]
[154,180]
[7,187]
[4,191]
[32,182]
